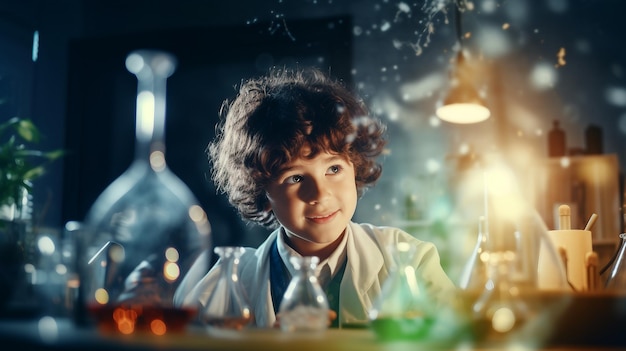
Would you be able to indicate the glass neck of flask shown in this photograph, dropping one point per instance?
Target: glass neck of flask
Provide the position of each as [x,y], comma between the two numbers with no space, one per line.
[150,120]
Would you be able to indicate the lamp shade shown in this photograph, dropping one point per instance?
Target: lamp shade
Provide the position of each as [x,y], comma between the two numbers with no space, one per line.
[463,105]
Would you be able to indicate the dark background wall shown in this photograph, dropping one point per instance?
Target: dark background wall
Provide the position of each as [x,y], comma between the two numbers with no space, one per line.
[396,54]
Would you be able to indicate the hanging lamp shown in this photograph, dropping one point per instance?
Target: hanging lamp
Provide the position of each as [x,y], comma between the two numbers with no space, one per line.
[463,104]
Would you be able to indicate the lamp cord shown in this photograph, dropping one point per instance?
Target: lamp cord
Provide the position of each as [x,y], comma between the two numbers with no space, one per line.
[457,20]
[458,4]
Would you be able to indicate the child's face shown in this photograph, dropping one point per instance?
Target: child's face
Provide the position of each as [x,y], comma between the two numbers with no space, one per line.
[314,199]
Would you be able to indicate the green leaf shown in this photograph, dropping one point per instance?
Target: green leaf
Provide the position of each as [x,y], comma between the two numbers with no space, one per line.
[19,163]
[33,173]
[28,131]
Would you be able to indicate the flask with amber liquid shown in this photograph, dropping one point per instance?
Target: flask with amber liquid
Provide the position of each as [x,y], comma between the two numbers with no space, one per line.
[145,229]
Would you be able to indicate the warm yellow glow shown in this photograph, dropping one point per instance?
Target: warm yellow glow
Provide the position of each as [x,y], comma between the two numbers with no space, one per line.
[171,271]
[503,320]
[463,113]
[404,247]
[199,217]
[116,253]
[172,255]
[157,161]
[145,111]
[196,213]
[101,296]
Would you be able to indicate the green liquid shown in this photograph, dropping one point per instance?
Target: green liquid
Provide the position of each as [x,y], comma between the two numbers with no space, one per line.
[402,328]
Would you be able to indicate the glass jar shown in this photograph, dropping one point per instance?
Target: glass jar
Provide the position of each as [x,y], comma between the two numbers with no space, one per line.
[145,229]
[227,306]
[304,306]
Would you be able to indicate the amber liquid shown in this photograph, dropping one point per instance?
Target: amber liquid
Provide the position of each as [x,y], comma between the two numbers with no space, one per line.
[130,319]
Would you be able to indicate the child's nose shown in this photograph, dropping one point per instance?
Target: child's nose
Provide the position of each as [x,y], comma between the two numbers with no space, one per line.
[316,191]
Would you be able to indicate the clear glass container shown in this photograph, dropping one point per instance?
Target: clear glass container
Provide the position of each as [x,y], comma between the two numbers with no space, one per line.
[526,287]
[304,306]
[500,309]
[145,229]
[474,274]
[227,306]
[403,310]
[616,281]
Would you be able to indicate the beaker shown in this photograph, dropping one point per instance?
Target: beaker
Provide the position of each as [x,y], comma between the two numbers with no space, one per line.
[227,306]
[304,306]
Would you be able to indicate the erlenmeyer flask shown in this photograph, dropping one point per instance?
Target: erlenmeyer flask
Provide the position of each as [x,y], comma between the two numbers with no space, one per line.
[403,309]
[500,310]
[617,277]
[304,306]
[145,229]
[228,305]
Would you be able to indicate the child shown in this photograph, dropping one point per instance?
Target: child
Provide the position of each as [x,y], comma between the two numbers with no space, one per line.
[295,152]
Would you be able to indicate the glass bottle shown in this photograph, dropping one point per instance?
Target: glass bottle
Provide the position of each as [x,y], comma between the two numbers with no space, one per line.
[304,306]
[556,141]
[145,229]
[228,305]
[402,311]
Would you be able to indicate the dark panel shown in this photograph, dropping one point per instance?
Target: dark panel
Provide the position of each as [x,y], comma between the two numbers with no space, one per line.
[101,102]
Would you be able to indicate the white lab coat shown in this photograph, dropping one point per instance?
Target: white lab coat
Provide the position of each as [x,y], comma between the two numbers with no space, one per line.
[368,266]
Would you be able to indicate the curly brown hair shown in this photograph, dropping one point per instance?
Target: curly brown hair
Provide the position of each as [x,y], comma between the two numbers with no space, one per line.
[269,122]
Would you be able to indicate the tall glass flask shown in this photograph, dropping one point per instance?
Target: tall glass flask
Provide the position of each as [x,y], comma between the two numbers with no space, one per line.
[304,306]
[525,279]
[474,274]
[146,228]
[228,305]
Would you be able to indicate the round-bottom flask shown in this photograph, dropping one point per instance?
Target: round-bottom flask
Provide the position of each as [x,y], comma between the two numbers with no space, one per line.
[146,228]
[228,306]
[304,306]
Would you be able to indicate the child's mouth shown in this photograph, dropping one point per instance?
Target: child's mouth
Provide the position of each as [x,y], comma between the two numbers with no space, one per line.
[323,218]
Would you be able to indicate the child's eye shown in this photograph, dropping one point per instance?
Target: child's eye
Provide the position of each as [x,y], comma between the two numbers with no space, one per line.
[293,179]
[334,169]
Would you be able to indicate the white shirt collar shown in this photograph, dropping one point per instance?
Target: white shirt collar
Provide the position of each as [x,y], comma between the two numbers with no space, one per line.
[326,269]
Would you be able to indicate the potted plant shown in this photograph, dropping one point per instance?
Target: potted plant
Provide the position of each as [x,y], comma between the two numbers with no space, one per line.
[20,164]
